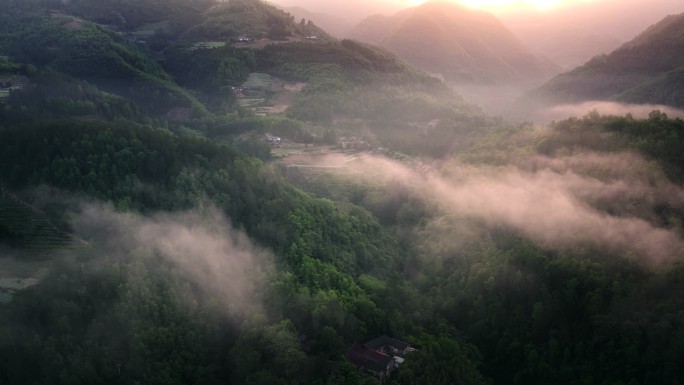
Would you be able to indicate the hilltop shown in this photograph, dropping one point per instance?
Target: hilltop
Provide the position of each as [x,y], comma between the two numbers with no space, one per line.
[461,44]
[334,25]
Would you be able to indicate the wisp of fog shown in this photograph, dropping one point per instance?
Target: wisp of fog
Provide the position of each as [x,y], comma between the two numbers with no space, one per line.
[555,202]
[201,244]
[639,111]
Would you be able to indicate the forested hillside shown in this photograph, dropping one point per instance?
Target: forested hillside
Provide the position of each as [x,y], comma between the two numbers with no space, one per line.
[160,224]
[647,69]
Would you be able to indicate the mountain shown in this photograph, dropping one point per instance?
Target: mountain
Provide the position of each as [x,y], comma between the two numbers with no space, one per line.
[463,45]
[100,42]
[564,44]
[252,19]
[133,14]
[613,19]
[648,69]
[572,32]
[86,50]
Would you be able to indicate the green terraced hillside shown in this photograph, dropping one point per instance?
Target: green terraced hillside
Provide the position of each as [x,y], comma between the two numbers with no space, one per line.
[23,227]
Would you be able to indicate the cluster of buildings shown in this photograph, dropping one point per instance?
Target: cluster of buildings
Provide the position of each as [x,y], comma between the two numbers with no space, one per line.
[352,143]
[11,83]
[242,39]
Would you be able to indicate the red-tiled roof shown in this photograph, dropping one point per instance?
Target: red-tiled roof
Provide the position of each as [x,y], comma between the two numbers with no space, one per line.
[366,358]
[379,342]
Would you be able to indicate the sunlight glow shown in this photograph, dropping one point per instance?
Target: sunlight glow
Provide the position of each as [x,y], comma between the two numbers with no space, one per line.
[541,4]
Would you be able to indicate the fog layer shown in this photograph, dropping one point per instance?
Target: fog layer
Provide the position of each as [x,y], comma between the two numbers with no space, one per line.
[562,111]
[585,200]
[201,245]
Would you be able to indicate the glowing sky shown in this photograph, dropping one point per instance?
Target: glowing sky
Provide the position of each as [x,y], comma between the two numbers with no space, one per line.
[503,3]
[541,4]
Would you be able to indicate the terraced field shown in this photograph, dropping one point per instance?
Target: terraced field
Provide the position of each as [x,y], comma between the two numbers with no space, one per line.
[258,80]
[247,102]
[252,94]
[207,45]
[264,94]
[29,229]
[27,242]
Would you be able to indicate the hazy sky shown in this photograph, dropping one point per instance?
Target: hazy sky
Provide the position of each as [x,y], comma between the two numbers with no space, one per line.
[388,6]
[626,17]
[542,4]
[622,19]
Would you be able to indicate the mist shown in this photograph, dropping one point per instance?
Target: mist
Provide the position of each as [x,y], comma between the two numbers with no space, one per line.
[622,19]
[200,244]
[559,203]
[569,33]
[574,31]
[562,111]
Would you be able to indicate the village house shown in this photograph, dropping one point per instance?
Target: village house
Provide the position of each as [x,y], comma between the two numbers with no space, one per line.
[13,82]
[352,143]
[379,356]
[378,364]
[389,346]
[10,84]
[273,140]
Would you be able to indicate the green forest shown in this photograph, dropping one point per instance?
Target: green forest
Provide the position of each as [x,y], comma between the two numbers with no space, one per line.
[151,234]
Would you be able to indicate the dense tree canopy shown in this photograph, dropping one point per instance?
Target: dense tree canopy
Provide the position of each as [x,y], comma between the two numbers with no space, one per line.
[92,156]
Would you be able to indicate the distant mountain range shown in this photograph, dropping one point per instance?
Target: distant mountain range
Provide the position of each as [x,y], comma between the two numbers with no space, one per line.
[647,69]
[462,45]
[566,45]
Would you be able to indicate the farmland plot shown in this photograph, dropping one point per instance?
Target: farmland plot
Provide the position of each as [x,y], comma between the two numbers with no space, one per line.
[264,94]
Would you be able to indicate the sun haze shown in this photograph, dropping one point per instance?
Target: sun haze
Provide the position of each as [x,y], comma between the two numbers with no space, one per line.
[541,4]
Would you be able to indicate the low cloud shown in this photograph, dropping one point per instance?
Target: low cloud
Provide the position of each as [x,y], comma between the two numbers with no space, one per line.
[201,245]
[625,182]
[564,111]
[557,203]
[547,207]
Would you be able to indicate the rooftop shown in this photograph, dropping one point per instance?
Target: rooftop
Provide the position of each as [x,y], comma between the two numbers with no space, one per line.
[383,340]
[363,357]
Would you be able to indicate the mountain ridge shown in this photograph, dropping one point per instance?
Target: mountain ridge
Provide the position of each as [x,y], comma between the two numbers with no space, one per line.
[461,44]
[646,69]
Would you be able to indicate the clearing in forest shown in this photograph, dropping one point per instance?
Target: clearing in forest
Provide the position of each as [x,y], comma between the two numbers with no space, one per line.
[264,94]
